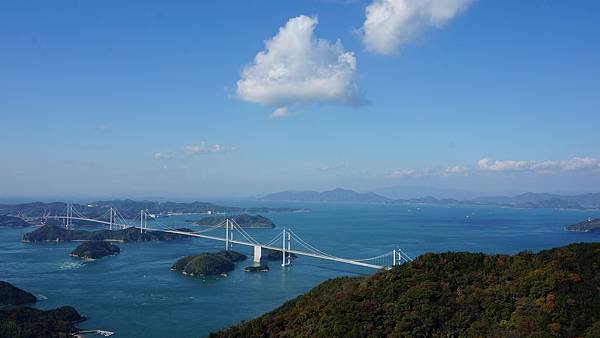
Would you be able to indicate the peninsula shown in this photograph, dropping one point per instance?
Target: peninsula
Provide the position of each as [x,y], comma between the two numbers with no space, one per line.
[586,226]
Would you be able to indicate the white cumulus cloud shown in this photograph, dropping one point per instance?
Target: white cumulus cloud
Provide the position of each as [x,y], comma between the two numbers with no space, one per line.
[298,68]
[391,23]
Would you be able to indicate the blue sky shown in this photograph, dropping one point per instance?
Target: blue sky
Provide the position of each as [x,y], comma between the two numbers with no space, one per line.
[131,98]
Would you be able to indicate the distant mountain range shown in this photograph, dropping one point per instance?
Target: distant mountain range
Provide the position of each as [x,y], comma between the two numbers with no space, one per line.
[416,191]
[128,208]
[337,195]
[526,200]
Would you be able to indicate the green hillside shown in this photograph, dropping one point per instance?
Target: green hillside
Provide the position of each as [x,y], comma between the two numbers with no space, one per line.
[554,293]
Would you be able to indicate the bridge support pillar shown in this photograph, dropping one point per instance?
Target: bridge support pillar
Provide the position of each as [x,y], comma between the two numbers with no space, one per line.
[260,254]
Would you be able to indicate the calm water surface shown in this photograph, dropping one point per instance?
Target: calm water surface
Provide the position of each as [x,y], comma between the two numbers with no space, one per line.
[136,295]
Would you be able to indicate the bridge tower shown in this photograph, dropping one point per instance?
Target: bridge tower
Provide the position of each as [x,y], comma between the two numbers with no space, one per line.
[143,220]
[227,247]
[68,220]
[111,218]
[286,246]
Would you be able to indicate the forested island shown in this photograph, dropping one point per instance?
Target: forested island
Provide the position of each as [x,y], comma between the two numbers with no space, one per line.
[95,249]
[585,226]
[553,293]
[26,322]
[207,264]
[244,220]
[54,233]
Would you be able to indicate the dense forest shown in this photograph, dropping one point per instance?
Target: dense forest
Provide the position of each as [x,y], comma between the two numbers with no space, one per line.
[554,293]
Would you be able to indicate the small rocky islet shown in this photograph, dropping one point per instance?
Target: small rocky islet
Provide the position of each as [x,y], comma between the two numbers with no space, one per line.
[260,268]
[208,264]
[94,250]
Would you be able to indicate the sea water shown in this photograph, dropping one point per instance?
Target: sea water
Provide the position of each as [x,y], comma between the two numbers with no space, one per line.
[136,295]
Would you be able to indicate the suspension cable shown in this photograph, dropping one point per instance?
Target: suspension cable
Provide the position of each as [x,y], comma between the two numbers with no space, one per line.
[243,232]
[299,239]
[275,239]
[210,228]
[312,248]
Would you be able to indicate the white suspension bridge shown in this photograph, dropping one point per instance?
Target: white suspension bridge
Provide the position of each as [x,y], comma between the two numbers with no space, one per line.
[234,234]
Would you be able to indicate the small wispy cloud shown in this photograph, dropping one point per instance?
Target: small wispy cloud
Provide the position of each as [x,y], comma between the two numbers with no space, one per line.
[163,156]
[192,150]
[456,170]
[406,173]
[279,113]
[331,167]
[203,148]
[103,128]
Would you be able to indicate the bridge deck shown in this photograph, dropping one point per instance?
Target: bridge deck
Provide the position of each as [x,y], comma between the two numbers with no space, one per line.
[234,241]
[297,252]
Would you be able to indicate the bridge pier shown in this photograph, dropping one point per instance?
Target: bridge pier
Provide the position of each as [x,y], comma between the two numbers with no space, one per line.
[260,254]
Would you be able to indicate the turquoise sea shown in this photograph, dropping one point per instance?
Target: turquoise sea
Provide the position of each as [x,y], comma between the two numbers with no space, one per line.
[136,295]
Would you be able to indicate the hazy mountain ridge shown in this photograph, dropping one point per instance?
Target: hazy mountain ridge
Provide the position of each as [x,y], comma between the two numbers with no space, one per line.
[335,195]
[411,192]
[525,200]
[128,208]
